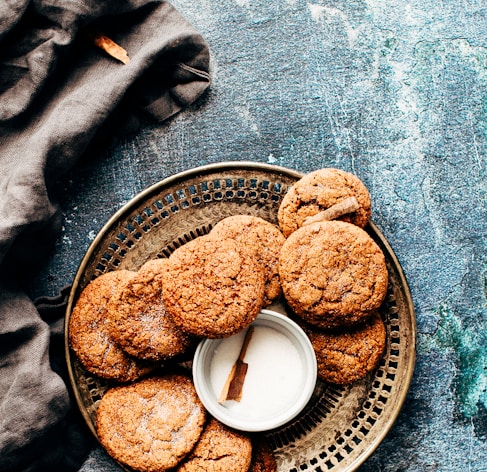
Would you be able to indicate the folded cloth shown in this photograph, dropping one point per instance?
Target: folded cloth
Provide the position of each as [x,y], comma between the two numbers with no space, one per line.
[58,93]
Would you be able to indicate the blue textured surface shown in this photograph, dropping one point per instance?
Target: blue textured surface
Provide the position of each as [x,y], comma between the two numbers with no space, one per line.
[392,91]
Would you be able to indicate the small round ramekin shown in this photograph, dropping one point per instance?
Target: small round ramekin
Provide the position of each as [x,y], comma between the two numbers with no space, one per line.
[258,417]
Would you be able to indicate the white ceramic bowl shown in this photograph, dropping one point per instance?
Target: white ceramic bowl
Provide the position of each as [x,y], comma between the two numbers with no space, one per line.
[280,379]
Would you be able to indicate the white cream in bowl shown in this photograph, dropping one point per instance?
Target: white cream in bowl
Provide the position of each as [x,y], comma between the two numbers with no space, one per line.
[280,378]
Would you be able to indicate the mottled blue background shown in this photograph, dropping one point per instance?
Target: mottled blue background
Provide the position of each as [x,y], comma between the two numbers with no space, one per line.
[391,90]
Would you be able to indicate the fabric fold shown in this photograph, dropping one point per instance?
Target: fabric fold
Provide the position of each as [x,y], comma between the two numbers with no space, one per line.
[33,396]
[58,91]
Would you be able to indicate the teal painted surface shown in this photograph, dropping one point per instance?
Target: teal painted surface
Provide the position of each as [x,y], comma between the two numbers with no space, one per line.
[469,349]
[393,91]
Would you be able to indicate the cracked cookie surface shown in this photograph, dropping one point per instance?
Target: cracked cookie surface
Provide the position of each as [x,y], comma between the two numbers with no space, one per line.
[213,288]
[138,319]
[344,357]
[89,333]
[263,239]
[332,273]
[151,425]
[318,191]
[220,449]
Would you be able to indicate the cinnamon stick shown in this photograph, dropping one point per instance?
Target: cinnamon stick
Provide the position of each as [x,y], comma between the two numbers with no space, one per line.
[349,205]
[111,48]
[232,390]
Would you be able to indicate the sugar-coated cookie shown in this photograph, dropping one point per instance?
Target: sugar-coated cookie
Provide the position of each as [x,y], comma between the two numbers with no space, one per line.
[138,319]
[151,425]
[89,333]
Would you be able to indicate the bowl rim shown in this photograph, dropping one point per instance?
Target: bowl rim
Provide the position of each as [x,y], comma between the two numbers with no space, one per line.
[223,414]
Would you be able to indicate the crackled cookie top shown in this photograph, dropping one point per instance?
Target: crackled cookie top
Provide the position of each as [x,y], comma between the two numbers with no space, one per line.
[318,191]
[263,239]
[138,319]
[332,273]
[89,334]
[347,356]
[213,288]
[151,425]
[220,449]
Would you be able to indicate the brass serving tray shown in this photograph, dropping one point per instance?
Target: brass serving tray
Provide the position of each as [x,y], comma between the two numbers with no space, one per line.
[341,426]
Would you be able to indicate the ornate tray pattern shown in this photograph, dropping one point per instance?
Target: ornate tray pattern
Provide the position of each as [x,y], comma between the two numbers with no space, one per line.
[341,426]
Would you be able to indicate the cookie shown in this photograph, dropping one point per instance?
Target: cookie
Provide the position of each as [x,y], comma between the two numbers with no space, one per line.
[151,425]
[318,191]
[346,356]
[263,459]
[213,288]
[89,334]
[220,449]
[263,239]
[138,320]
[332,273]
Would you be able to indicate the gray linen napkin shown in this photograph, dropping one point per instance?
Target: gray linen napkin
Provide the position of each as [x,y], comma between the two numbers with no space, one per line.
[58,92]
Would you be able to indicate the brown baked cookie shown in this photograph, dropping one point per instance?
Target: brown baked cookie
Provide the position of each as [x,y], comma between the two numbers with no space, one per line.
[138,320]
[332,273]
[213,288]
[220,449]
[350,355]
[263,459]
[192,245]
[263,239]
[89,331]
[318,191]
[151,425]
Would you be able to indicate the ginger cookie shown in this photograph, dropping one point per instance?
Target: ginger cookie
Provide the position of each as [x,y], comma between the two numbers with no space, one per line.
[151,425]
[318,191]
[219,449]
[263,459]
[263,239]
[346,356]
[89,334]
[138,319]
[332,273]
[213,288]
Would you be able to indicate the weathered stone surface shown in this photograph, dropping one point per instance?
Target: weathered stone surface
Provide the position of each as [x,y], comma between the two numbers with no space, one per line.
[394,92]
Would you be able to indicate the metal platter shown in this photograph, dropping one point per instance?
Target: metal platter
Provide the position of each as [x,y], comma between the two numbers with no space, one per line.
[342,425]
